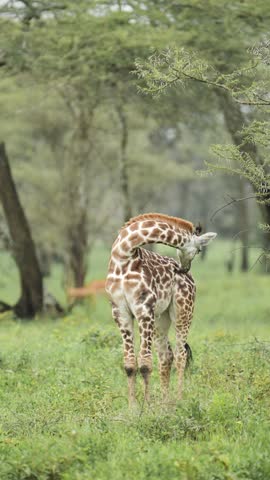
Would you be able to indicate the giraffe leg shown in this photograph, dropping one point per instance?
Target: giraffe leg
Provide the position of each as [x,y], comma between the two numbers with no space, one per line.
[124,321]
[146,329]
[181,313]
[180,360]
[164,351]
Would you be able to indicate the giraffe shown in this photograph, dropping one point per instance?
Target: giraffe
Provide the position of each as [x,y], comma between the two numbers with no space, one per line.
[156,291]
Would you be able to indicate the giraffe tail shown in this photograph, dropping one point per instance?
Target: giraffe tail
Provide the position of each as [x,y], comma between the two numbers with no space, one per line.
[189,356]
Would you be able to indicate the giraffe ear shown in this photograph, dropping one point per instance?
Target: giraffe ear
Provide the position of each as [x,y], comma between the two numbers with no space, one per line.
[204,239]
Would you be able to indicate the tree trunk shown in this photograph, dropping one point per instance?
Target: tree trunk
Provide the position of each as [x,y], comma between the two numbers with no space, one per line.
[78,250]
[124,178]
[31,299]
[234,120]
[244,226]
[78,199]
[184,192]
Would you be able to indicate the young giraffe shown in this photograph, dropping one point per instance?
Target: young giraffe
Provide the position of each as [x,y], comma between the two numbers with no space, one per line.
[156,290]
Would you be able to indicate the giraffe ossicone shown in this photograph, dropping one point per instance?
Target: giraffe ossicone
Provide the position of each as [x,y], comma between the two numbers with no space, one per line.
[156,291]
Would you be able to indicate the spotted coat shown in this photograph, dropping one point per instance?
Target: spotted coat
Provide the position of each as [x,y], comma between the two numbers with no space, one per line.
[152,289]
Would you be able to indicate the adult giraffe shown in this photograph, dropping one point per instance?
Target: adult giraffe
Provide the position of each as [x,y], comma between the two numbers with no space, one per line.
[156,290]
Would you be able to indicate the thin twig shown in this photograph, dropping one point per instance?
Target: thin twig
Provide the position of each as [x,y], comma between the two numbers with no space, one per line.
[234,200]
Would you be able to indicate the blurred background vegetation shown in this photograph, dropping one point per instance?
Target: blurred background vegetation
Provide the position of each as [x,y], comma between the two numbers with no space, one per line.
[89,146]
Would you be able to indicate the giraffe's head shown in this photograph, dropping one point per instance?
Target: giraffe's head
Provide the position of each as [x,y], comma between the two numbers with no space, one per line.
[192,247]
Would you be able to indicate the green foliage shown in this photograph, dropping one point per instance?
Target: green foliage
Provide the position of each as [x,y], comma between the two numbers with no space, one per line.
[212,48]
[178,67]
[98,339]
[235,161]
[169,67]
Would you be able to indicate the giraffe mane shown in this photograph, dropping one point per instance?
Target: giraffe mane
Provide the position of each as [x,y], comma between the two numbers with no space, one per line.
[175,221]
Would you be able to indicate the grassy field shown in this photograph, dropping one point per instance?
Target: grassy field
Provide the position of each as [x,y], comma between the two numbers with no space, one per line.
[63,406]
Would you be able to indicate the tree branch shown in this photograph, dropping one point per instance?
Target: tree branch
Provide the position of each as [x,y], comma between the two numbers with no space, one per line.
[233,201]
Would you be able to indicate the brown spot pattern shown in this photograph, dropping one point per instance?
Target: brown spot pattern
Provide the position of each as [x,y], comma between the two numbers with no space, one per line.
[147,279]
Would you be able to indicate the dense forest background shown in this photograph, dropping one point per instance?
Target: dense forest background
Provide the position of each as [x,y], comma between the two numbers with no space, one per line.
[110,109]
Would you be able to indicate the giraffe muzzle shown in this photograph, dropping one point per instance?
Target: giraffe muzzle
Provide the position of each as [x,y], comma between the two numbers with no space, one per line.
[186,268]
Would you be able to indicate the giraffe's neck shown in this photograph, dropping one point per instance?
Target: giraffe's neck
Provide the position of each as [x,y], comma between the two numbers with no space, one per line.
[146,229]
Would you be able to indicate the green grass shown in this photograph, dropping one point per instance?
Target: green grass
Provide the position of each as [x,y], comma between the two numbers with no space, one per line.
[63,402]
